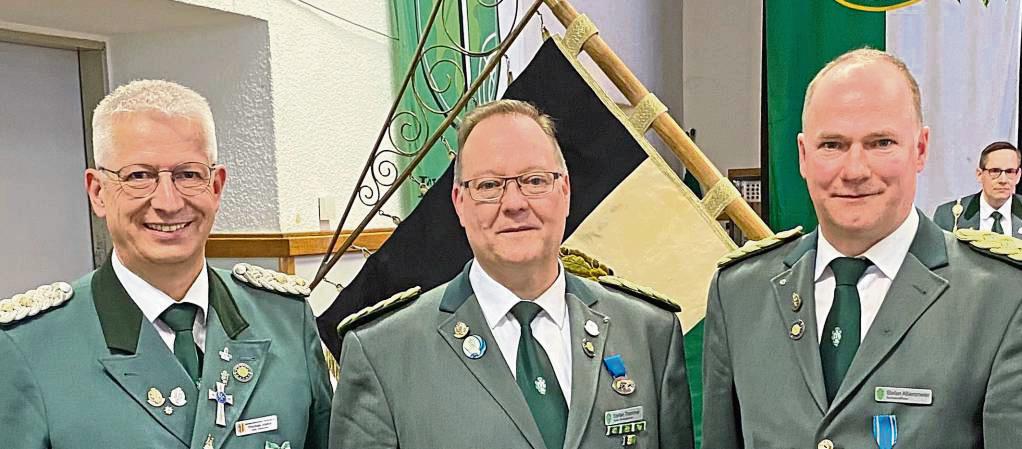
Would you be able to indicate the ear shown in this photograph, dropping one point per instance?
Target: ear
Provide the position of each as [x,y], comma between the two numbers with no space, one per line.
[94,187]
[922,148]
[219,181]
[801,139]
[458,199]
[979,175]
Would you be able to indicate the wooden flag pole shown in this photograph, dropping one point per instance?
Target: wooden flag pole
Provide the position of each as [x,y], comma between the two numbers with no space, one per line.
[664,125]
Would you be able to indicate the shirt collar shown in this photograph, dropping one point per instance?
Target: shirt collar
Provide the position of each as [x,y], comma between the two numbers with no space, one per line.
[152,301]
[886,255]
[496,300]
[985,209]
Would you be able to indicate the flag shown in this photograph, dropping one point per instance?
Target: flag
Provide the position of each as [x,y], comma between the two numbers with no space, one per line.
[964,54]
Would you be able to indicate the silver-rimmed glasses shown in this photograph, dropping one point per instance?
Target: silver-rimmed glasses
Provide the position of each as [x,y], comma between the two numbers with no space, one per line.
[140,180]
[491,188]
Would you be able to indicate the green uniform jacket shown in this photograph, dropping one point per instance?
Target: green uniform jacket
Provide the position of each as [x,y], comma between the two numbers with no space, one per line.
[405,381]
[950,323]
[970,215]
[77,376]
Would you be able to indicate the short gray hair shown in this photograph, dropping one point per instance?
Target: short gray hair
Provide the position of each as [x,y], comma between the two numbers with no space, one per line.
[867,55]
[166,97]
[505,107]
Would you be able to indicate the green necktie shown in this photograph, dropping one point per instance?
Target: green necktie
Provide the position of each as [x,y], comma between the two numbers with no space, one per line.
[180,318]
[536,379]
[841,331]
[997,222]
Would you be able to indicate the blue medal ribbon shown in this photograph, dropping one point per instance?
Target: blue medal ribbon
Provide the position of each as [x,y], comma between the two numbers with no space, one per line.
[615,365]
[885,430]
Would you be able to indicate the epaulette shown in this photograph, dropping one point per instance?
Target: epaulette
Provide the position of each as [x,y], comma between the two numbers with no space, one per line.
[753,247]
[272,281]
[376,310]
[33,302]
[651,296]
[992,244]
[583,265]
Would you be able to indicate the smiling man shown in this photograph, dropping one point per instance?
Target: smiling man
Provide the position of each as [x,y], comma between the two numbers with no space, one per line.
[513,352]
[878,328]
[156,348]
[996,207]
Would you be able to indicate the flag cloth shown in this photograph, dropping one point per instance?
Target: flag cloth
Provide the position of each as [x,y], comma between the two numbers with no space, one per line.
[965,56]
[628,209]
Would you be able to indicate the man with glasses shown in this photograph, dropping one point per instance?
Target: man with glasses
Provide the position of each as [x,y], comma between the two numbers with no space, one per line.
[997,207]
[513,352]
[156,348]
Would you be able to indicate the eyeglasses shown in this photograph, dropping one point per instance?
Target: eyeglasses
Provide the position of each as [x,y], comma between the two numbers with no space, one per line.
[140,180]
[997,172]
[491,189]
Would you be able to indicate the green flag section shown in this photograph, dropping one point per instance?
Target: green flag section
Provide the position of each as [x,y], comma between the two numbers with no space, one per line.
[801,36]
[964,55]
[440,78]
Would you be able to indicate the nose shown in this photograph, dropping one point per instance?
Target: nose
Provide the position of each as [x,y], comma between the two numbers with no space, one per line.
[166,198]
[856,165]
[513,200]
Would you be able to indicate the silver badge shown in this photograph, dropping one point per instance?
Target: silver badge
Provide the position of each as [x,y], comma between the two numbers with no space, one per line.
[474,347]
[835,336]
[225,354]
[177,397]
[591,328]
[168,410]
[541,385]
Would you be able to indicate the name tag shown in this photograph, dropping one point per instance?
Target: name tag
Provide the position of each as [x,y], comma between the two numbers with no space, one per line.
[257,425]
[914,396]
[625,415]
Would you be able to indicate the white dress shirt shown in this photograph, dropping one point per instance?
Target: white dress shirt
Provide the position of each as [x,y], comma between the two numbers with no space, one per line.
[886,256]
[153,302]
[550,327]
[986,222]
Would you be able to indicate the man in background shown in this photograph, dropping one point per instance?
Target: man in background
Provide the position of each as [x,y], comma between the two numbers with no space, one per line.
[996,207]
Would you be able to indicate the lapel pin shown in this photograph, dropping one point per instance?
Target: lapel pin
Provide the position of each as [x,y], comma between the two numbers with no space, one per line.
[225,354]
[591,328]
[798,328]
[796,302]
[155,398]
[168,410]
[460,330]
[209,442]
[783,281]
[224,377]
[177,397]
[541,385]
[474,347]
[272,445]
[242,372]
[588,348]
[835,336]
[222,401]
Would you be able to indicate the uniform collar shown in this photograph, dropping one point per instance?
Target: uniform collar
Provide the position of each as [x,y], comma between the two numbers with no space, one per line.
[152,301]
[887,254]
[985,209]
[496,300]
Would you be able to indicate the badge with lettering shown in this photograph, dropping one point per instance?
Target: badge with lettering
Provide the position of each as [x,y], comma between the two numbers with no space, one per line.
[255,425]
[885,431]
[622,416]
[913,396]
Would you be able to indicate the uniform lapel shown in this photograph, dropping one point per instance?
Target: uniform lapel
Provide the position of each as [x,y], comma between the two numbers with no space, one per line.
[459,304]
[139,360]
[798,279]
[585,370]
[970,219]
[225,333]
[1016,216]
[914,289]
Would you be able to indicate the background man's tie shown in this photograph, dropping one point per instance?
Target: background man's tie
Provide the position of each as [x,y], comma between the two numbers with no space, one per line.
[536,379]
[841,331]
[997,222]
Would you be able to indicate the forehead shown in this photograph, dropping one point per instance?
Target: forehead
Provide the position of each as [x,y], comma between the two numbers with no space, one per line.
[507,144]
[144,133]
[1006,158]
[861,98]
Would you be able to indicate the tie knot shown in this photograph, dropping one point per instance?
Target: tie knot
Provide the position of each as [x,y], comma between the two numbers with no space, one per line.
[848,270]
[996,215]
[525,312]
[180,317]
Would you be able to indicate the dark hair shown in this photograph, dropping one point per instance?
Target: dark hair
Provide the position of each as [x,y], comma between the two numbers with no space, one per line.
[996,146]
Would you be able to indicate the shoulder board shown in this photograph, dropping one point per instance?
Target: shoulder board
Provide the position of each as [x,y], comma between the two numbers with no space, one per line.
[753,247]
[583,265]
[992,244]
[375,311]
[651,296]
[34,302]
[271,281]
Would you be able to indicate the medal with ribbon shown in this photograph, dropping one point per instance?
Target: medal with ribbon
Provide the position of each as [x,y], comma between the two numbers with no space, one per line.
[885,431]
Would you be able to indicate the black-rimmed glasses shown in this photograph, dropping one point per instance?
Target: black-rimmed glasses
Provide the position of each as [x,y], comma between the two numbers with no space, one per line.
[997,172]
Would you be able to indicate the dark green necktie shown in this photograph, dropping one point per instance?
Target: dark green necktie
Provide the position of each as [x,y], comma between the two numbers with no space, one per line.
[180,318]
[997,222]
[841,331]
[536,379]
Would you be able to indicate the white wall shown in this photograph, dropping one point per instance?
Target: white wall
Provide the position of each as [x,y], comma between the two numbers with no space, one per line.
[721,76]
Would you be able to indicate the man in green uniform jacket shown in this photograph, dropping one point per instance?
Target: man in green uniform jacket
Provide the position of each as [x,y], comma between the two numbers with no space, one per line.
[996,207]
[513,352]
[156,349]
[879,329]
